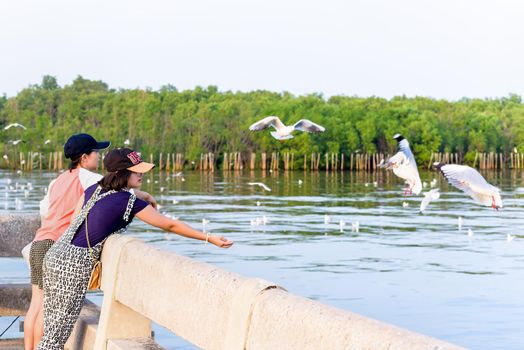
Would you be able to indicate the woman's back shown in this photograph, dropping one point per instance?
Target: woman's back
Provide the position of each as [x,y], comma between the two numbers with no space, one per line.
[107,215]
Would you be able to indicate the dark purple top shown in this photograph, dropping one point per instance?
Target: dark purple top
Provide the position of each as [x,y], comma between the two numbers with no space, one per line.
[106,216]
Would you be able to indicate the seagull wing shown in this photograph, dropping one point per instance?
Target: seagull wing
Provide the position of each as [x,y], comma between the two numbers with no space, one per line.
[409,170]
[273,121]
[403,146]
[425,201]
[470,182]
[428,197]
[259,184]
[308,126]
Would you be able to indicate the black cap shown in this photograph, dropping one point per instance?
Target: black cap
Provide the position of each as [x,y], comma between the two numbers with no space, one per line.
[79,144]
[125,158]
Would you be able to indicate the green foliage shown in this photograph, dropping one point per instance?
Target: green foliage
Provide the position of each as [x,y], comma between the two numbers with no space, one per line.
[206,120]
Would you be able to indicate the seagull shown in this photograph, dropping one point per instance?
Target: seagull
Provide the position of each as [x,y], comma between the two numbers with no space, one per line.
[15,125]
[470,233]
[177,174]
[355,227]
[15,142]
[342,224]
[460,223]
[47,141]
[258,203]
[472,183]
[127,142]
[204,223]
[327,219]
[284,132]
[509,237]
[405,204]
[404,166]
[259,184]
[428,197]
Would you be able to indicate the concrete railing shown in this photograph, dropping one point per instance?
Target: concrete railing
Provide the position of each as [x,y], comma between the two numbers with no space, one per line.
[217,309]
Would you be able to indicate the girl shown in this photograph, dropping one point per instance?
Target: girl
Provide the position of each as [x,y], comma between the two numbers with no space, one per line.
[108,208]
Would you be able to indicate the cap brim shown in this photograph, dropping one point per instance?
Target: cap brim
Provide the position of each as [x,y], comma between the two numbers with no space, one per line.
[102,145]
[141,167]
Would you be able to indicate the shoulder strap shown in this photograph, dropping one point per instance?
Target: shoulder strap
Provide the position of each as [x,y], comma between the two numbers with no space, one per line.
[130,205]
[87,208]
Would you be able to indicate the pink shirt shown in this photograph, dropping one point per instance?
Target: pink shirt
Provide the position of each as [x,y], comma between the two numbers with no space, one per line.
[63,196]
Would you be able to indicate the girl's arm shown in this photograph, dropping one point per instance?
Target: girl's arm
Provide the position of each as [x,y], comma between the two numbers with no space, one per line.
[153,217]
[146,197]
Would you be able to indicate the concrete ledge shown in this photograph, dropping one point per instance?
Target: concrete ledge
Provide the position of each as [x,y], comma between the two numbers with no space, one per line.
[14,299]
[84,333]
[12,344]
[16,230]
[133,344]
[236,312]
[282,320]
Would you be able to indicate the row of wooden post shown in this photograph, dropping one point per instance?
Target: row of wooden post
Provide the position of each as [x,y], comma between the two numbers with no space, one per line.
[56,161]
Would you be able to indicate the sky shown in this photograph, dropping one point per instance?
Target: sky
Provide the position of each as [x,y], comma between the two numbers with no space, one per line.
[441,49]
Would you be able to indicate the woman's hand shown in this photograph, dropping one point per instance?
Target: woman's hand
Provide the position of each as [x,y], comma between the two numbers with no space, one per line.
[220,241]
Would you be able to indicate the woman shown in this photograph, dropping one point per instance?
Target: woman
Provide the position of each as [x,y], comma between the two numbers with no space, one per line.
[57,210]
[107,208]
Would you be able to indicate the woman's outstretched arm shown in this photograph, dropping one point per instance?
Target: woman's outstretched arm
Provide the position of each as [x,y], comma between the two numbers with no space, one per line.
[154,218]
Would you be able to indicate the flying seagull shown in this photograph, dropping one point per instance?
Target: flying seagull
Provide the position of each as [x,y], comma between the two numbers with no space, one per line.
[404,166]
[428,197]
[15,142]
[259,184]
[472,183]
[15,125]
[284,132]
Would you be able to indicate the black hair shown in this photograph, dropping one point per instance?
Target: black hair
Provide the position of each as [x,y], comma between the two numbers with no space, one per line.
[115,180]
[75,162]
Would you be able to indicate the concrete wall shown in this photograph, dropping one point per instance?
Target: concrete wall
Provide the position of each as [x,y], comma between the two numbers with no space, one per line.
[16,230]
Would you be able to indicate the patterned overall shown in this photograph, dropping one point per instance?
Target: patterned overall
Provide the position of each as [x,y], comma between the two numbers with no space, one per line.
[67,269]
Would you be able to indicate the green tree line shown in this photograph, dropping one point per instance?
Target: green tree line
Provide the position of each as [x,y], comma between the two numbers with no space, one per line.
[204,120]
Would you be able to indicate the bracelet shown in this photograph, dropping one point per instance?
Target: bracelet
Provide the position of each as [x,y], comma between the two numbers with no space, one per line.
[207,237]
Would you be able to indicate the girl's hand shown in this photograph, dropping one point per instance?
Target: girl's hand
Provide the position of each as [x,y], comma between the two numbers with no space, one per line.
[220,241]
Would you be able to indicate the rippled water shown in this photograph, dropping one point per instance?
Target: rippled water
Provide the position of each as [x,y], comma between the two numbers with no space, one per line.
[417,271]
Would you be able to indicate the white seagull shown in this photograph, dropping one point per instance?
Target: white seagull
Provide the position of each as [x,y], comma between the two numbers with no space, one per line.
[472,183]
[15,125]
[428,197]
[259,184]
[283,132]
[15,142]
[46,142]
[404,166]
